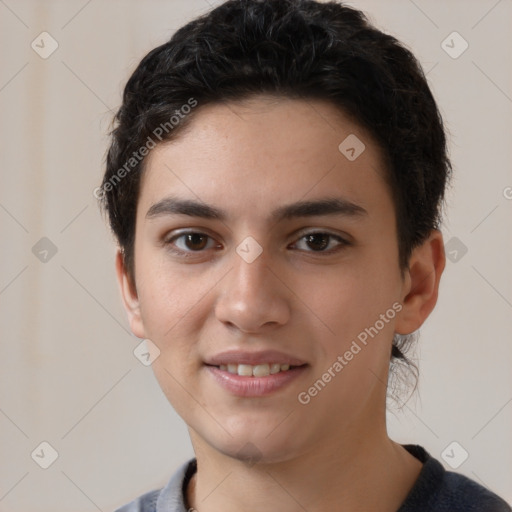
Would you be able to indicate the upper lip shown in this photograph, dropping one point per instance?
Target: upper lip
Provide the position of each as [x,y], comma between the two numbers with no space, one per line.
[253,358]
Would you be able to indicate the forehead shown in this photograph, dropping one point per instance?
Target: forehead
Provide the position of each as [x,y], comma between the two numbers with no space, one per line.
[250,155]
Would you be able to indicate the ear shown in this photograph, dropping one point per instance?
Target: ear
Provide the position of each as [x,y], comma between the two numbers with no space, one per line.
[421,283]
[129,297]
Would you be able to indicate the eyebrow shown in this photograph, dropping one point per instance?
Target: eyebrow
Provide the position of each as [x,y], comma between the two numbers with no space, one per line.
[192,208]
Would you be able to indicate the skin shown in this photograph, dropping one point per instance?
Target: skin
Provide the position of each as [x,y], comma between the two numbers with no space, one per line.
[249,158]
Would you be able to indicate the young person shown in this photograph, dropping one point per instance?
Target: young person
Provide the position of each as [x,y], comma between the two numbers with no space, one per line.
[275,182]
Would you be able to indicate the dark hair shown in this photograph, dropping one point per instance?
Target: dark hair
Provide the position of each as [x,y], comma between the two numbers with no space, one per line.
[288,48]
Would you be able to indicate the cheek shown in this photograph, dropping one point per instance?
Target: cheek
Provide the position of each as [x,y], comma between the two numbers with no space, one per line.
[171,314]
[165,293]
[348,301]
[174,307]
[356,347]
[162,305]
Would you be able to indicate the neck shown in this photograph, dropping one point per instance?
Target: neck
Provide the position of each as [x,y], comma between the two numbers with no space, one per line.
[367,471]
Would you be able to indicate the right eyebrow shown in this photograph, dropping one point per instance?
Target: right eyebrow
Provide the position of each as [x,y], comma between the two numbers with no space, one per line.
[175,206]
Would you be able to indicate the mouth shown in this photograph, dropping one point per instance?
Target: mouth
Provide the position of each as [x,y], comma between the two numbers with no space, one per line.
[257,370]
[254,374]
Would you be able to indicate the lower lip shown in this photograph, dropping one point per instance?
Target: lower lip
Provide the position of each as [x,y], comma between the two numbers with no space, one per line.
[255,386]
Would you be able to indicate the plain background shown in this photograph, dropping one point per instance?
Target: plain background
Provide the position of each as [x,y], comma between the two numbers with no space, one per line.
[68,375]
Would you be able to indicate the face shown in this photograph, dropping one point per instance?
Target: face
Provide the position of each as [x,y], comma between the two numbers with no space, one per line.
[260,244]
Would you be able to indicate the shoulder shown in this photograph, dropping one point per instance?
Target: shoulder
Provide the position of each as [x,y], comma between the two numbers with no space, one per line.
[459,492]
[441,490]
[170,498]
[144,503]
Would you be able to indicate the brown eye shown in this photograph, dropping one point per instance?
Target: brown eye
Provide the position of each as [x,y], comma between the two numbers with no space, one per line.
[317,241]
[190,242]
[196,241]
[321,242]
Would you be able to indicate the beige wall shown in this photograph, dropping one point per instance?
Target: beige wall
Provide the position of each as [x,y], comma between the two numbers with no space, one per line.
[67,372]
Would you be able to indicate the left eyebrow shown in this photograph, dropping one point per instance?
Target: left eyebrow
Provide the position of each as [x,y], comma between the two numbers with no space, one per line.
[326,206]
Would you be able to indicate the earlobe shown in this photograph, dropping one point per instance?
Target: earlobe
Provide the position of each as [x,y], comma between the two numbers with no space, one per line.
[421,283]
[129,297]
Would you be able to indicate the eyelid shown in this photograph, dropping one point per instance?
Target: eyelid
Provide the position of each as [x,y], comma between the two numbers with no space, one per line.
[176,233]
[323,231]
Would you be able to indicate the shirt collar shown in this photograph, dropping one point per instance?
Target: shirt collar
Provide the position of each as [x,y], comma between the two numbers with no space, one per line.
[172,496]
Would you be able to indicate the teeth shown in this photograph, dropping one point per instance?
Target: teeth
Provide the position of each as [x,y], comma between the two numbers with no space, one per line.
[274,368]
[245,370]
[258,370]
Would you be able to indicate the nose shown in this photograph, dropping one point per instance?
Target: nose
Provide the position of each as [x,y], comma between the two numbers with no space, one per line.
[251,297]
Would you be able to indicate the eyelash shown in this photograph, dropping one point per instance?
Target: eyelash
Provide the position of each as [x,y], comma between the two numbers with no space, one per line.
[186,254]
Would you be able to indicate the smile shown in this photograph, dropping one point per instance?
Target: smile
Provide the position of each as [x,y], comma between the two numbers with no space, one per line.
[257,370]
[245,380]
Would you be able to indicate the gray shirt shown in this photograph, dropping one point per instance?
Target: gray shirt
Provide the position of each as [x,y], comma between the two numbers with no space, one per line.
[435,490]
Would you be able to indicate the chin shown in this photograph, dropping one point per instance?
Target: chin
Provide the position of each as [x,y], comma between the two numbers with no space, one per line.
[254,445]
[251,453]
